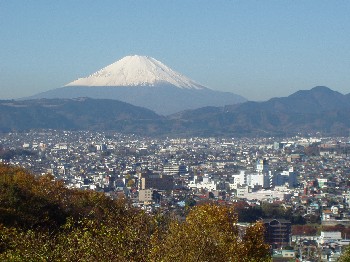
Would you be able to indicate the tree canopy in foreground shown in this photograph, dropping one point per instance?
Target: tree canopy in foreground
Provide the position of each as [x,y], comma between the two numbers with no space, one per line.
[41,220]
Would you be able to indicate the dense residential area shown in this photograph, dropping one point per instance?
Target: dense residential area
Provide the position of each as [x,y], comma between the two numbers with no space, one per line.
[297,187]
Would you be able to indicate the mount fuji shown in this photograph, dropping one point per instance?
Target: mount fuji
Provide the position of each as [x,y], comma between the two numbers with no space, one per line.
[146,82]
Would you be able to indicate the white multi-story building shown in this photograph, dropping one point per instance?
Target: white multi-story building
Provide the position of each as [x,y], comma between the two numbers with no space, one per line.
[330,236]
[205,183]
[263,195]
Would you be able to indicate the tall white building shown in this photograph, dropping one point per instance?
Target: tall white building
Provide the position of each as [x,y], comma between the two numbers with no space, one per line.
[262,176]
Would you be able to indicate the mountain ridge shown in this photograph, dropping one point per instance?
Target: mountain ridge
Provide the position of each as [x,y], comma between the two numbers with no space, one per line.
[74,114]
[303,112]
[318,109]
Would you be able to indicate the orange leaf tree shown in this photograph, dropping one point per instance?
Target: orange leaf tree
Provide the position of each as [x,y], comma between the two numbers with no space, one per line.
[210,233]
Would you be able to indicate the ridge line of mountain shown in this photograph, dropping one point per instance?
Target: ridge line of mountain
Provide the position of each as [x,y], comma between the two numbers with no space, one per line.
[317,110]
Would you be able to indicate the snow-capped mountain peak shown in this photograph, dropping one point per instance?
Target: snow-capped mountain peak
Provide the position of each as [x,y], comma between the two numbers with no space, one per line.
[137,71]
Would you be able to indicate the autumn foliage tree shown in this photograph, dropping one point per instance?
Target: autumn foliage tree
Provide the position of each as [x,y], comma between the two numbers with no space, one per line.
[304,230]
[210,233]
[42,220]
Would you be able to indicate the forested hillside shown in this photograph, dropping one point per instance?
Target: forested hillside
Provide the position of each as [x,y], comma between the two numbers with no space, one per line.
[41,220]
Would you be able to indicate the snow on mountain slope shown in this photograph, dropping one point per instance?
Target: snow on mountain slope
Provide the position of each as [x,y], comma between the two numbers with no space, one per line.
[143,81]
[137,71]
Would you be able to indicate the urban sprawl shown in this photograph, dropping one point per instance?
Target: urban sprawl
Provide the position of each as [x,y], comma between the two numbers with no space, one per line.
[298,186]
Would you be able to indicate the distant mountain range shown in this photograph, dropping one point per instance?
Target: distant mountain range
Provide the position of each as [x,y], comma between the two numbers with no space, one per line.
[319,109]
[76,114]
[146,82]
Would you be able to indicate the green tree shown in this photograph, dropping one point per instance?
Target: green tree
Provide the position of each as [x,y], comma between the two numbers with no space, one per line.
[271,210]
[190,202]
[345,257]
[130,183]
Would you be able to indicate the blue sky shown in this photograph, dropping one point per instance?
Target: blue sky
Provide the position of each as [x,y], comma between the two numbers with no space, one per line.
[258,49]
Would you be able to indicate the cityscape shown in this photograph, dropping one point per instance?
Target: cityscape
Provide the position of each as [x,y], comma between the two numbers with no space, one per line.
[299,186]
